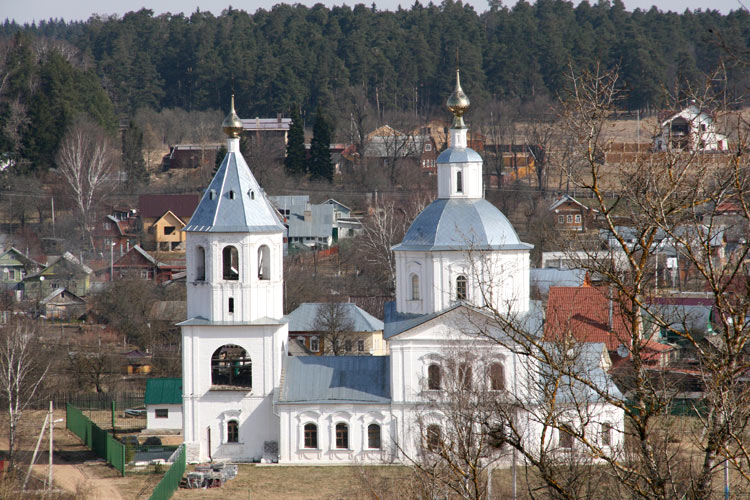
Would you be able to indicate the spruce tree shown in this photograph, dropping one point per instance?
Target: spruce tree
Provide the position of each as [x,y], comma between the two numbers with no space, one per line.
[220,154]
[321,166]
[132,156]
[294,162]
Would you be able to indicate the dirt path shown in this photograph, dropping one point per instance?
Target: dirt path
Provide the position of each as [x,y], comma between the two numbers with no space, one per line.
[72,478]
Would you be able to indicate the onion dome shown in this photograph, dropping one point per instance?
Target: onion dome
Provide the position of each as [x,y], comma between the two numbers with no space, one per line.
[232,125]
[458,103]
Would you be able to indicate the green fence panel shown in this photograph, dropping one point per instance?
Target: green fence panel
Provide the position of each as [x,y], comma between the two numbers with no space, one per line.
[116,453]
[95,438]
[171,480]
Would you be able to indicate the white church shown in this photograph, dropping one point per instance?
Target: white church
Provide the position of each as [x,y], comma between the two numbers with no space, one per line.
[245,399]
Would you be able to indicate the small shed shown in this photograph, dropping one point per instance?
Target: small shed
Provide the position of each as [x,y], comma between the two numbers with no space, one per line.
[164,404]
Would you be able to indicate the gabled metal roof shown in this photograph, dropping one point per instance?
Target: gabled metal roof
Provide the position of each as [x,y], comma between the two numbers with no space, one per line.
[461,224]
[302,319]
[336,379]
[234,202]
[163,391]
[459,155]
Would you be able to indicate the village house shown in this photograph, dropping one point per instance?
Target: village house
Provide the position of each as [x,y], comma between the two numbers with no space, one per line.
[61,272]
[163,218]
[113,237]
[691,129]
[163,400]
[63,305]
[364,338]
[570,214]
[137,263]
[14,267]
[182,156]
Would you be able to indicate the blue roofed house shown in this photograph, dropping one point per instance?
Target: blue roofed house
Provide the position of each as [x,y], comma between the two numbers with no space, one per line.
[163,402]
[363,335]
[246,399]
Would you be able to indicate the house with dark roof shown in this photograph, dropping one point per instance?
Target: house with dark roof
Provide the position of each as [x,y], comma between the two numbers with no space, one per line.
[163,402]
[14,267]
[163,219]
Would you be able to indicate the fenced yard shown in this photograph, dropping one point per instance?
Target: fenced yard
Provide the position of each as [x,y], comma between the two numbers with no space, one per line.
[127,415]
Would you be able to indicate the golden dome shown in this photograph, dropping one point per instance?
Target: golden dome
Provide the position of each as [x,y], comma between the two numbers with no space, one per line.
[232,125]
[458,103]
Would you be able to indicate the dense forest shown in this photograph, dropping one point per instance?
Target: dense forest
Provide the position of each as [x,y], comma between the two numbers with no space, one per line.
[319,56]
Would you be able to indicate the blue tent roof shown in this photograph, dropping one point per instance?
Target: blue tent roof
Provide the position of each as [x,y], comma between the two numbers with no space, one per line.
[336,379]
[234,202]
[461,224]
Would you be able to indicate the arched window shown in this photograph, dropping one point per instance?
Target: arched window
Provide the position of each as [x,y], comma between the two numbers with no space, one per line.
[264,263]
[464,376]
[461,287]
[497,377]
[200,264]
[233,432]
[433,377]
[230,263]
[342,436]
[311,435]
[433,436]
[231,366]
[373,436]
[459,182]
[414,287]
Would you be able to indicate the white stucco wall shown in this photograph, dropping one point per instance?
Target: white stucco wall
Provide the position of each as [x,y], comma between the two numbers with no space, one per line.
[211,408]
[253,298]
[501,277]
[325,416]
[172,422]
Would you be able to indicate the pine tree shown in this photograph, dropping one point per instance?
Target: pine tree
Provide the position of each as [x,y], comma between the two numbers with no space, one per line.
[220,154]
[321,166]
[132,156]
[294,162]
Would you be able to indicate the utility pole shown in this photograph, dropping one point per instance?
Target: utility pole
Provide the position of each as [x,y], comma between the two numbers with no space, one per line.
[51,441]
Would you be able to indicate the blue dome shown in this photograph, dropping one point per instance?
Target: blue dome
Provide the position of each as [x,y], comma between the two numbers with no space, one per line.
[461,224]
[459,155]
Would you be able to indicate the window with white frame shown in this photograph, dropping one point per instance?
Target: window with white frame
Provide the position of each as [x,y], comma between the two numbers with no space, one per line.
[310,435]
[233,431]
[461,287]
[578,218]
[314,344]
[414,287]
[360,345]
[434,376]
[342,436]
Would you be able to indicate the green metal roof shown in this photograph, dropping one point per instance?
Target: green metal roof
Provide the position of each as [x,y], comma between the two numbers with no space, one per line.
[164,391]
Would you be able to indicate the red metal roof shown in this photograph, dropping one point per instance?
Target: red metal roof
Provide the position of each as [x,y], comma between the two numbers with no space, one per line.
[583,313]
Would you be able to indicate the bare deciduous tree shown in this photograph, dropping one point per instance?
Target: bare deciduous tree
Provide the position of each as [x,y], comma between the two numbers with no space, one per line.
[385,227]
[333,323]
[86,162]
[23,367]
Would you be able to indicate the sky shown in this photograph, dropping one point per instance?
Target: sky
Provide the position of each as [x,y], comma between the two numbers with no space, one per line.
[35,10]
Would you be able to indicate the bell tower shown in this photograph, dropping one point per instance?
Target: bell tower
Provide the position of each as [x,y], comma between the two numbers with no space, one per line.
[234,337]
